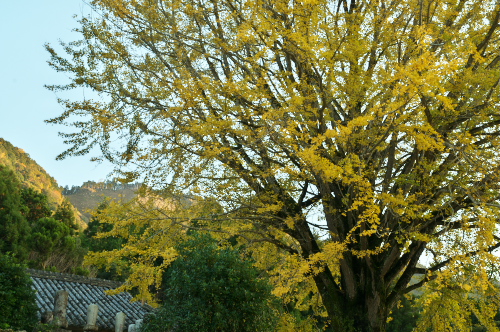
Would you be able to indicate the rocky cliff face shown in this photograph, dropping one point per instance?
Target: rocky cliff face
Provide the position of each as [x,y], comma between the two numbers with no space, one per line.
[88,196]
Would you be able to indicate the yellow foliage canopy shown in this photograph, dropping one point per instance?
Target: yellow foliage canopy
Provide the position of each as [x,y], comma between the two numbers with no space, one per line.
[373,122]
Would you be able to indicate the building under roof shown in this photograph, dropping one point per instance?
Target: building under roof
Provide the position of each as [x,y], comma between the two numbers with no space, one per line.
[84,291]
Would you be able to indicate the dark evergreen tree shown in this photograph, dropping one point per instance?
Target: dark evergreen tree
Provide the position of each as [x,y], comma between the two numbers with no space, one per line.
[18,308]
[49,234]
[14,229]
[53,246]
[64,213]
[36,203]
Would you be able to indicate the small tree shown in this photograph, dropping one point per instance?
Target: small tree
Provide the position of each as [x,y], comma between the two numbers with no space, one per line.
[18,308]
[212,289]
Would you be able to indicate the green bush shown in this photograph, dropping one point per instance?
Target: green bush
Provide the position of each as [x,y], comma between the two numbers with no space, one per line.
[213,289]
[17,299]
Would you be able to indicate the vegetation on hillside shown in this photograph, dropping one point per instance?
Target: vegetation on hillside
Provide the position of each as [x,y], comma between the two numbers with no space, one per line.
[33,232]
[14,228]
[28,172]
[38,223]
[32,175]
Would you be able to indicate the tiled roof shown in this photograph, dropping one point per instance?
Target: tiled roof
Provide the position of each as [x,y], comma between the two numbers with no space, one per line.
[84,291]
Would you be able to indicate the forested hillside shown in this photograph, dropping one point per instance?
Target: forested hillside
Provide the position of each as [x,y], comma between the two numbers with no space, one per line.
[38,226]
[32,175]
[29,172]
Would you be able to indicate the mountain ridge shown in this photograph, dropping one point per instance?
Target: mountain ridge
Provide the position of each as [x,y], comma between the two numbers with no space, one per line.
[90,194]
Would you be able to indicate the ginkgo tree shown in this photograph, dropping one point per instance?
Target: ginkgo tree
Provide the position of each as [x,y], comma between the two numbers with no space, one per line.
[376,122]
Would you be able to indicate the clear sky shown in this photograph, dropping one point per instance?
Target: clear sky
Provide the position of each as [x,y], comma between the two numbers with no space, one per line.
[26,25]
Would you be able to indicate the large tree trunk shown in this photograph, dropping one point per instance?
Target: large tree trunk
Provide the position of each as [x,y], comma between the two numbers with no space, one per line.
[370,314]
[367,312]
[359,304]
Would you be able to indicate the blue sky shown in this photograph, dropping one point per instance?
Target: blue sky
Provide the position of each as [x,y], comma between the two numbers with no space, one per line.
[24,102]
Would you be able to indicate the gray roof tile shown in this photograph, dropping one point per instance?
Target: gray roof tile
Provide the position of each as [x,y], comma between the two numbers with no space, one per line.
[84,291]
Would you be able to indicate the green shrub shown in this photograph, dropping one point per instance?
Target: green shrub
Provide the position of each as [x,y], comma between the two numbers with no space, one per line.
[213,289]
[17,299]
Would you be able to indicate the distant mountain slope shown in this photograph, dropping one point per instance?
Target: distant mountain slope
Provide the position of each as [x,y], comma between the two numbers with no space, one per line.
[29,172]
[89,195]
[32,175]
